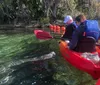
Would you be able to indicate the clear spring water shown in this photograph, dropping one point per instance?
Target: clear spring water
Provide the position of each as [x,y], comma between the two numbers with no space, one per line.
[21,63]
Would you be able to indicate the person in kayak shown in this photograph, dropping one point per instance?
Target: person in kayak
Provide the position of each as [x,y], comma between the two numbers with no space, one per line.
[70,27]
[85,36]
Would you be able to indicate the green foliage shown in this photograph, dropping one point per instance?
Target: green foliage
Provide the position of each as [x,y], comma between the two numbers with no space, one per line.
[36,9]
[66,7]
[91,13]
[44,20]
[10,10]
[6,13]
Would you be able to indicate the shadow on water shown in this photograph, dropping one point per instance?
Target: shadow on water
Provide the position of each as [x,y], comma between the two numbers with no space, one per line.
[31,73]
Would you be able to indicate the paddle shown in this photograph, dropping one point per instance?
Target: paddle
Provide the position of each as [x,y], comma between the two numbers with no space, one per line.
[43,35]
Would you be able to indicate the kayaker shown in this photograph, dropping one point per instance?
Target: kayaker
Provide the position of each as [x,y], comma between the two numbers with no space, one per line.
[85,36]
[70,27]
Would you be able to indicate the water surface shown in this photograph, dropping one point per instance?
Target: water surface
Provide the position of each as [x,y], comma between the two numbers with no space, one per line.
[21,63]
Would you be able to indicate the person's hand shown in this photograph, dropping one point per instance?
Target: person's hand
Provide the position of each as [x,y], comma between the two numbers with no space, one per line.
[98,44]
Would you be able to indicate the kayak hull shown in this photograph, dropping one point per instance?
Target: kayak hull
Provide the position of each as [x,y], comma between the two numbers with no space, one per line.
[76,60]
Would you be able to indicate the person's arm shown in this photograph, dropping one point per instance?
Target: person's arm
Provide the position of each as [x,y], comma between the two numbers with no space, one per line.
[76,35]
[99,34]
[74,40]
[98,41]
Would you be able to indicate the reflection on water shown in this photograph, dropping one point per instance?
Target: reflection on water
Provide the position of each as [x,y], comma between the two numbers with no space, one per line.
[24,60]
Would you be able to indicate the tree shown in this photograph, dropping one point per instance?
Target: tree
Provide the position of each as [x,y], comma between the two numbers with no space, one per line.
[67,7]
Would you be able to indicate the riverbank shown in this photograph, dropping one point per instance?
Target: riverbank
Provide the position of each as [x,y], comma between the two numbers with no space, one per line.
[20,28]
[25,28]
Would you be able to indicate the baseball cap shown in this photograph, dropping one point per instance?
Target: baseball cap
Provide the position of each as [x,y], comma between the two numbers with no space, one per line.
[67,18]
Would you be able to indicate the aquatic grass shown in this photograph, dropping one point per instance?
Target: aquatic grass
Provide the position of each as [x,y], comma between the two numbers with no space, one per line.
[14,48]
[67,74]
[11,45]
[20,45]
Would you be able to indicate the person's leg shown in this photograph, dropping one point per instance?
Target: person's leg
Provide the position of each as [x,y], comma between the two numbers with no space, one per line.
[86,45]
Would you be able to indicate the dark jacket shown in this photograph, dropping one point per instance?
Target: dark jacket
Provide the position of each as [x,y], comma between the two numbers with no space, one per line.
[69,31]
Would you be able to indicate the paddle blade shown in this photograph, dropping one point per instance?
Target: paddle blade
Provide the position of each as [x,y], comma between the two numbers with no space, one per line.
[40,34]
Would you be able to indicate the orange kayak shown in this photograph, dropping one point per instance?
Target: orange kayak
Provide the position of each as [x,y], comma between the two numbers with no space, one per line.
[77,60]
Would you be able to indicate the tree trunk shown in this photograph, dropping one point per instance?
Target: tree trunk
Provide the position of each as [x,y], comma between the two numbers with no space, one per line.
[54,10]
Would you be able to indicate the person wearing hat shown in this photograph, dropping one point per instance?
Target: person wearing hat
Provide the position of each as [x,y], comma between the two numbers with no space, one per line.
[70,27]
[84,38]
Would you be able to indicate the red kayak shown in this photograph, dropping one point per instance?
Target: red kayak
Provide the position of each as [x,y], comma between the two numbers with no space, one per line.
[77,60]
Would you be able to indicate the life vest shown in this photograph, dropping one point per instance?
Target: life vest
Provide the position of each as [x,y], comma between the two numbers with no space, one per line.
[91,29]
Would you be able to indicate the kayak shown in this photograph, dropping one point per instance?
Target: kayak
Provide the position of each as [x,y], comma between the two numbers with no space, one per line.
[77,60]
